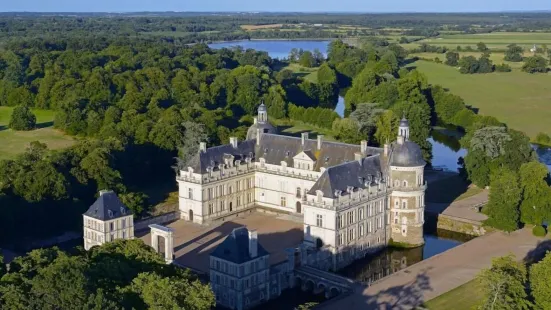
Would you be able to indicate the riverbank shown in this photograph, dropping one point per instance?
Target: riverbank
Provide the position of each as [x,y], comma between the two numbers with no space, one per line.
[413,286]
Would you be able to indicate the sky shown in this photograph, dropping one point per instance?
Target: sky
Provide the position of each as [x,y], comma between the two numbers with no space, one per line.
[273,6]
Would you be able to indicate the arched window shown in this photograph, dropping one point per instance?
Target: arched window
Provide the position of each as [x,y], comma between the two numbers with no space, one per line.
[405,183]
[404,204]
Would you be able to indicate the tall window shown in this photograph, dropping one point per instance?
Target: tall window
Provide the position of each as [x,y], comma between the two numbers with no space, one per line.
[238,185]
[211,208]
[351,234]
[395,217]
[299,193]
[319,220]
[111,226]
[369,228]
[283,201]
[222,206]
[360,214]
[361,230]
[229,190]
[249,198]
[405,183]
[238,201]
[190,193]
[404,204]
[209,191]
[339,222]
[123,223]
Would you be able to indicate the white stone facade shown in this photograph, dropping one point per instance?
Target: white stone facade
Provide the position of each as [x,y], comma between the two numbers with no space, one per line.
[97,232]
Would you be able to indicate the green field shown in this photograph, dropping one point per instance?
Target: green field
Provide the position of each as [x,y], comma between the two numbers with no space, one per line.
[461,298]
[15,142]
[495,57]
[495,40]
[521,100]
[309,74]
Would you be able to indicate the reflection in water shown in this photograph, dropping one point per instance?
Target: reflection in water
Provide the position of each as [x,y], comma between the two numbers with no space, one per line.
[276,48]
[377,266]
[544,154]
[340,106]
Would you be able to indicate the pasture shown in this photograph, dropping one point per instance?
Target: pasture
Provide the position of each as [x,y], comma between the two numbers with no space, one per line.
[495,57]
[521,100]
[494,40]
[309,74]
[15,142]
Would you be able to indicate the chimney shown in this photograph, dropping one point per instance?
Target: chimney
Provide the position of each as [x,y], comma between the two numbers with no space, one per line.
[320,140]
[258,136]
[255,120]
[253,243]
[363,147]
[233,142]
[358,157]
[386,148]
[304,137]
[202,147]
[104,191]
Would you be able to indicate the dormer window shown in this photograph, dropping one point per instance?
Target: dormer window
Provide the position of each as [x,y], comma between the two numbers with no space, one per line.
[110,213]
[123,211]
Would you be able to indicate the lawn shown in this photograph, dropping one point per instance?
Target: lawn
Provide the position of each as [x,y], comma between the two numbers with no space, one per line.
[15,142]
[521,100]
[463,297]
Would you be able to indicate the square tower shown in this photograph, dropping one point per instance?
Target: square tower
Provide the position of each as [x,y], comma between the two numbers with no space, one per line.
[107,219]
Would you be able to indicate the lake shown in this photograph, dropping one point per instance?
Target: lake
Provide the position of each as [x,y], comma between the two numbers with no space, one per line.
[276,48]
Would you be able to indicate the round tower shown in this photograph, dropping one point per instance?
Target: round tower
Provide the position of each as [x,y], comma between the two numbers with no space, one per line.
[407,201]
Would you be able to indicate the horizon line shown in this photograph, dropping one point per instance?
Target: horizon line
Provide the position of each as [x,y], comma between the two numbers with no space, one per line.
[288,12]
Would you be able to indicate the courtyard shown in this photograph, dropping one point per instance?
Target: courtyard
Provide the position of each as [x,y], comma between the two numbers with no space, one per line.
[193,243]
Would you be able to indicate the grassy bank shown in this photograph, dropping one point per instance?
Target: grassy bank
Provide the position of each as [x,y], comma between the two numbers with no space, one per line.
[519,99]
[463,297]
[15,142]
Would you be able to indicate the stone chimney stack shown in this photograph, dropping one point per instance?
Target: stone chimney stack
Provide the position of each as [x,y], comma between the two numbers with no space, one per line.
[358,157]
[363,147]
[258,136]
[255,120]
[320,141]
[401,140]
[233,142]
[304,137]
[104,191]
[253,243]
[202,147]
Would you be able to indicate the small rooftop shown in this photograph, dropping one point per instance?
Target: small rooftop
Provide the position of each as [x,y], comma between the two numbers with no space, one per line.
[235,248]
[107,207]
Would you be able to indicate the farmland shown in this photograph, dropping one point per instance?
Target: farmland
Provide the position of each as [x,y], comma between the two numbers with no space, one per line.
[521,100]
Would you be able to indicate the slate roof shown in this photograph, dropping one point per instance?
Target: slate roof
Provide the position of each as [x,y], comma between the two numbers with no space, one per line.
[107,207]
[354,173]
[264,127]
[407,154]
[235,248]
[277,148]
[215,155]
[404,122]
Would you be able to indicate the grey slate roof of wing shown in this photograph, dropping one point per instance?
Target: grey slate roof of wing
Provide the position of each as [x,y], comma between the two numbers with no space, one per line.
[107,207]
[407,154]
[348,174]
[235,248]
[310,155]
[264,127]
[275,149]
[215,155]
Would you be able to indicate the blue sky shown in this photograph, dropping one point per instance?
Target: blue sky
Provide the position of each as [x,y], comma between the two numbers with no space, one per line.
[271,5]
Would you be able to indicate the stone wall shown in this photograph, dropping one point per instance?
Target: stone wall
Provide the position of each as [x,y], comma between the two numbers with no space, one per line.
[464,226]
[160,220]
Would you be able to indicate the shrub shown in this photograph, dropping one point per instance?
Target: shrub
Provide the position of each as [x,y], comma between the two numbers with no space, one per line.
[503,68]
[543,138]
[539,231]
[22,119]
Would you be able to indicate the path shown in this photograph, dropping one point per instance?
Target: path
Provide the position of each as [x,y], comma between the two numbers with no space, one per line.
[439,274]
[461,208]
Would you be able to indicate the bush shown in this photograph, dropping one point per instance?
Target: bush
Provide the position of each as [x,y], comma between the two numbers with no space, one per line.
[22,119]
[503,68]
[543,138]
[539,231]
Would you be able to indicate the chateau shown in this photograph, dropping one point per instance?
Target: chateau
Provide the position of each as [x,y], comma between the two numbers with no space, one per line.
[353,198]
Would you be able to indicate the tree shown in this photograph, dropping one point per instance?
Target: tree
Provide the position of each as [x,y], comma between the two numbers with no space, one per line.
[468,65]
[387,127]
[540,273]
[481,47]
[503,285]
[543,138]
[361,86]
[513,53]
[485,65]
[535,64]
[22,118]
[536,194]
[503,204]
[346,130]
[307,59]
[366,115]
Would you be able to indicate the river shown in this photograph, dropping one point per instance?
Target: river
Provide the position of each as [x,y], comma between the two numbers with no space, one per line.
[277,48]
